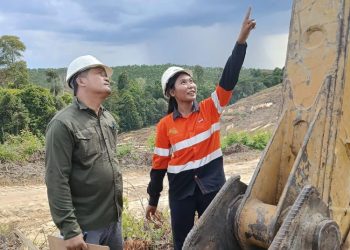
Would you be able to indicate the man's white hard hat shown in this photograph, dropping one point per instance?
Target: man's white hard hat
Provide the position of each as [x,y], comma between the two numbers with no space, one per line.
[83,63]
[169,73]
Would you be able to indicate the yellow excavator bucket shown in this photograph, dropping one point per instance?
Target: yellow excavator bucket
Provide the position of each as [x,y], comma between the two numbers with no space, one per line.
[299,195]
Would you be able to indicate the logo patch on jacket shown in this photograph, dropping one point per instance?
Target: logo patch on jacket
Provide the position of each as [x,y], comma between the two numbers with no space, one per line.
[172,131]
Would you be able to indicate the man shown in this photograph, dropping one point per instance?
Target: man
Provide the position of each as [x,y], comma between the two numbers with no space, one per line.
[84,183]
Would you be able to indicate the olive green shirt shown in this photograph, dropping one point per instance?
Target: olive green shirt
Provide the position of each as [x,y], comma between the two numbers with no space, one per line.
[84,182]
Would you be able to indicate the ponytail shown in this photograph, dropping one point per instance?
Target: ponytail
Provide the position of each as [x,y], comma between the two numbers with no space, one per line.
[172,104]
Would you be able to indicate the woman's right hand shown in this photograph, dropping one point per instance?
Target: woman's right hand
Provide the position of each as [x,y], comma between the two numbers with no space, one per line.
[151,212]
[247,26]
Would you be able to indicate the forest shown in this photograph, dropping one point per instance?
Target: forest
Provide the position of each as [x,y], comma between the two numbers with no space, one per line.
[29,98]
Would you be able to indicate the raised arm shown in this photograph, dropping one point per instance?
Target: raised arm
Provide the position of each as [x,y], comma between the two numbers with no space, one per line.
[234,63]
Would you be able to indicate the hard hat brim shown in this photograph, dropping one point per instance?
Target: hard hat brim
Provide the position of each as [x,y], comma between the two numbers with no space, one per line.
[109,72]
[186,71]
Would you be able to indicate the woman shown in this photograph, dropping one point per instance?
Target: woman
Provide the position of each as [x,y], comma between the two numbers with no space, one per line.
[187,143]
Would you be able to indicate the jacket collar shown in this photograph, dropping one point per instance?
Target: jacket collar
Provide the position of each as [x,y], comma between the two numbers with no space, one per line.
[177,114]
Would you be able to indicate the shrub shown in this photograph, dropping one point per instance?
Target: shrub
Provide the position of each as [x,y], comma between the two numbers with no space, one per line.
[67,98]
[256,140]
[14,116]
[123,150]
[18,148]
[151,140]
[41,106]
[260,140]
[144,234]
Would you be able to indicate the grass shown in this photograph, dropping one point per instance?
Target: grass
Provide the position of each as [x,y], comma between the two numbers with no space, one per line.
[140,233]
[6,229]
[124,150]
[19,148]
[151,141]
[257,140]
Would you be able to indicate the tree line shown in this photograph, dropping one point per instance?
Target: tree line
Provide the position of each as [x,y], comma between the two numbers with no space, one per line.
[29,98]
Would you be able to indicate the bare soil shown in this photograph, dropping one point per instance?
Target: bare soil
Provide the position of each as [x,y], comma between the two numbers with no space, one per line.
[25,207]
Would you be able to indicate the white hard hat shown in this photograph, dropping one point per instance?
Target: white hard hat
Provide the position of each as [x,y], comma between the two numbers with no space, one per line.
[169,73]
[83,63]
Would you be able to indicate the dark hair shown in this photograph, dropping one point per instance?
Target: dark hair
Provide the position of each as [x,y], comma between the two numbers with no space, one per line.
[73,81]
[172,104]
[74,85]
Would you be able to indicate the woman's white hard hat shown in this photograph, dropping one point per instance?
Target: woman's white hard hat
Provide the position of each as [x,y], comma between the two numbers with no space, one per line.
[83,63]
[169,73]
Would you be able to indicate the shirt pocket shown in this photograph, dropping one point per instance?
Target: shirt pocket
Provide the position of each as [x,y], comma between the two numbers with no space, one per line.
[202,125]
[112,133]
[88,143]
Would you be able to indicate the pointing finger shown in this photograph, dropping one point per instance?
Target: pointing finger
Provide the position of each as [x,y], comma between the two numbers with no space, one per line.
[247,16]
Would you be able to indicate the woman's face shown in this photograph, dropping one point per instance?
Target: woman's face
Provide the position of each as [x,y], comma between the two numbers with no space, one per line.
[185,90]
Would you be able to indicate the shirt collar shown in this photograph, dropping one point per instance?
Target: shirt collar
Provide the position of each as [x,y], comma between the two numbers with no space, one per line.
[82,105]
[177,114]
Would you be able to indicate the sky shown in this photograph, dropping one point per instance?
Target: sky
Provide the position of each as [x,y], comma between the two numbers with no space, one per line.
[128,32]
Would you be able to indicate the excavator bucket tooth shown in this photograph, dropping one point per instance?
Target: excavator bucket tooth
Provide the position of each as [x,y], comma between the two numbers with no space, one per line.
[214,229]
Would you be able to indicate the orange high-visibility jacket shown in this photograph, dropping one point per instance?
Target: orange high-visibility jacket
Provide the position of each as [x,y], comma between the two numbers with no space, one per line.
[188,148]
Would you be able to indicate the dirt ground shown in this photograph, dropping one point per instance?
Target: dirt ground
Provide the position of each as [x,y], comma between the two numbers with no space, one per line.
[25,207]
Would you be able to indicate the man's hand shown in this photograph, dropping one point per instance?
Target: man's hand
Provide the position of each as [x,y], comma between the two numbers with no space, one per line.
[76,243]
[151,213]
[247,26]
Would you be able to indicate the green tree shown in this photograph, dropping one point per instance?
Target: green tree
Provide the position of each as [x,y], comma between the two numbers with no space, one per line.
[123,81]
[14,116]
[127,112]
[198,74]
[154,89]
[256,72]
[162,108]
[17,75]
[53,79]
[278,73]
[13,70]
[141,101]
[41,106]
[59,102]
[204,90]
[67,98]
[112,104]
[11,49]
[246,87]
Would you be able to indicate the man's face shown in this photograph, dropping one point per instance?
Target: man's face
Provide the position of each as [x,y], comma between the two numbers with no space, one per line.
[96,81]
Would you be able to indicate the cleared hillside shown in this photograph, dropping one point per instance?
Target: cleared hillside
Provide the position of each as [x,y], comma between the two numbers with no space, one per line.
[258,111]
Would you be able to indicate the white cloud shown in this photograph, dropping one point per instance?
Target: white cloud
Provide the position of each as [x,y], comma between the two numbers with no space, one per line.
[206,46]
[267,52]
[209,46]
[53,50]
[141,32]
